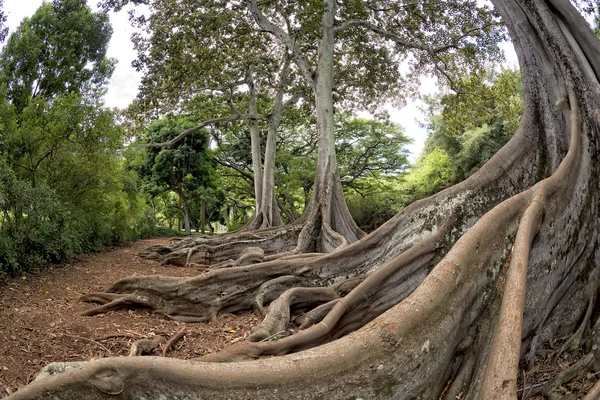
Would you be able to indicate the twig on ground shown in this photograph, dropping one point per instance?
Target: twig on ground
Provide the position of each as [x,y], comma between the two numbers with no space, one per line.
[272,336]
[89,340]
[172,341]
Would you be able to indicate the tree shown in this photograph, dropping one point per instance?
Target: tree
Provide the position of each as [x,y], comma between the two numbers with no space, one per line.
[61,49]
[309,34]
[54,133]
[3,29]
[191,56]
[371,153]
[465,130]
[186,168]
[458,285]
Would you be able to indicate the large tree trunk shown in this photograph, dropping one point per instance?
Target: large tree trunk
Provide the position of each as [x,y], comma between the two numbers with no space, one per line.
[329,224]
[457,287]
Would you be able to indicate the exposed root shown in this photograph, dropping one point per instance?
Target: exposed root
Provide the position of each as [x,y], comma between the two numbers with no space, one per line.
[212,250]
[574,342]
[172,341]
[333,324]
[111,302]
[145,346]
[463,378]
[270,290]
[155,252]
[315,315]
[278,315]
[574,371]
[249,256]
[500,378]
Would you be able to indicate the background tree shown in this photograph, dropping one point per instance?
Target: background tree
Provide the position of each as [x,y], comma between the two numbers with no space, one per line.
[185,168]
[465,130]
[60,49]
[196,69]
[54,133]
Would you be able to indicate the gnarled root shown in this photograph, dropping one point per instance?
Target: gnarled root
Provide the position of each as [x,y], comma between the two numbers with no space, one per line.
[224,248]
[145,346]
[278,315]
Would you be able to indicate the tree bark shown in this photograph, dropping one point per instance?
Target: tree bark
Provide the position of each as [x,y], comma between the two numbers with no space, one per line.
[255,144]
[329,223]
[457,287]
[186,215]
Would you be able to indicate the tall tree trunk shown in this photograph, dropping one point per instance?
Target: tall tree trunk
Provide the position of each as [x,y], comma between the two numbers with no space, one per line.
[458,287]
[202,215]
[330,224]
[269,210]
[255,145]
[186,215]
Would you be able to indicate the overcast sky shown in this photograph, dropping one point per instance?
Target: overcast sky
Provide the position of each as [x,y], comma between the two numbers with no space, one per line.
[125,80]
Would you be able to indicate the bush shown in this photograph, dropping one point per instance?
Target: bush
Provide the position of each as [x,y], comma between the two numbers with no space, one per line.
[372,211]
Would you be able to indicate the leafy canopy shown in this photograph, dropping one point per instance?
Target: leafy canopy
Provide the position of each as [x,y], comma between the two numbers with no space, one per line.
[60,49]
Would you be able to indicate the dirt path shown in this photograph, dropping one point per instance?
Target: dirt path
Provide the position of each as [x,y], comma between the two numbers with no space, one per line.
[40,321]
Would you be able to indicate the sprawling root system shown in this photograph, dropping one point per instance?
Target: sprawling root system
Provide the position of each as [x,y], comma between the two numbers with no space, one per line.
[456,288]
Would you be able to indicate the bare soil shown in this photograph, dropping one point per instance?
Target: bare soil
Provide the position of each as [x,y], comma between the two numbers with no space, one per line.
[40,319]
[40,322]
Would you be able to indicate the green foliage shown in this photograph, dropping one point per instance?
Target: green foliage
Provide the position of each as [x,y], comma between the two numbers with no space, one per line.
[185,168]
[60,49]
[465,130]
[382,203]
[55,199]
[369,151]
[63,188]
[432,172]
[3,28]
[33,225]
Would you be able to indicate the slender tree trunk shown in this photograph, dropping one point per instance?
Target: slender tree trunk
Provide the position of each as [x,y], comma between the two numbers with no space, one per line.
[255,144]
[186,215]
[202,215]
[269,209]
[330,224]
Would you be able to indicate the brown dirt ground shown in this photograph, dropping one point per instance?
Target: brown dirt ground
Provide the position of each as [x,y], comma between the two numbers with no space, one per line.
[40,322]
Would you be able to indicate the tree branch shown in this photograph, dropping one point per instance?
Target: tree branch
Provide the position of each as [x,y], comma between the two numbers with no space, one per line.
[268,26]
[198,127]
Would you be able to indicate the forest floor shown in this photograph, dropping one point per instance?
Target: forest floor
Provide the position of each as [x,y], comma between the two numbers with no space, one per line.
[40,319]
[40,322]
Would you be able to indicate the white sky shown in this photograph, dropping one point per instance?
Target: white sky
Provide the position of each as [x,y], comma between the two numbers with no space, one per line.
[125,80]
